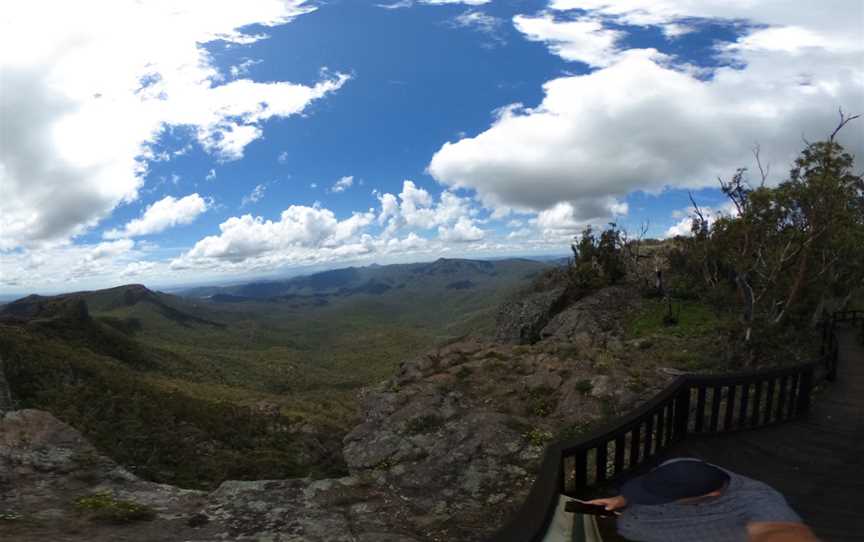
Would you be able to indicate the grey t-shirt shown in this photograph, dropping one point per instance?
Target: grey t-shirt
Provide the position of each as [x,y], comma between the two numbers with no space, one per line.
[719,519]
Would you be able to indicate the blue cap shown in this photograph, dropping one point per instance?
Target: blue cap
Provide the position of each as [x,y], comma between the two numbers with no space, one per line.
[674,480]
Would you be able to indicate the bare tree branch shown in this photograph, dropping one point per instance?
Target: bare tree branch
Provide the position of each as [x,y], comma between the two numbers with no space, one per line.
[763,171]
[844,120]
[696,208]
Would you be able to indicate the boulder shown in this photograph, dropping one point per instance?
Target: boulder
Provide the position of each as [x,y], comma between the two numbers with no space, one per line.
[520,320]
[591,319]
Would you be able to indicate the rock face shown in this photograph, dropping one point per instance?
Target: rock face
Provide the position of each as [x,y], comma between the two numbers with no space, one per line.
[445,450]
[589,321]
[46,467]
[459,452]
[520,320]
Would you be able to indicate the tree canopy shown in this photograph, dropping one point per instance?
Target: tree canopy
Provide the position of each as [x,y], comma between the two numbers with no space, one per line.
[788,250]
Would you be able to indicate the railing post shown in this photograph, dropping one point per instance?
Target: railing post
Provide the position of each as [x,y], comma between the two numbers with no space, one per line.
[562,482]
[805,388]
[822,347]
[682,413]
[580,470]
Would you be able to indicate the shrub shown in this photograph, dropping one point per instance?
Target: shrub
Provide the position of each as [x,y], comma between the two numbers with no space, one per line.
[541,402]
[103,506]
[537,437]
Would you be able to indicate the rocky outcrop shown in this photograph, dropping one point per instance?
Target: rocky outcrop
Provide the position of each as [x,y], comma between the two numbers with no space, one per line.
[589,321]
[459,432]
[521,319]
[445,450]
[47,468]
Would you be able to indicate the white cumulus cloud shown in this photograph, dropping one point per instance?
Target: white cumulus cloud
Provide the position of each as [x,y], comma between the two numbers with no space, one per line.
[110,249]
[643,121]
[489,25]
[255,196]
[583,40]
[88,87]
[55,267]
[415,208]
[399,4]
[684,225]
[299,226]
[463,231]
[158,217]
[405,224]
[342,184]
[445,2]
[833,21]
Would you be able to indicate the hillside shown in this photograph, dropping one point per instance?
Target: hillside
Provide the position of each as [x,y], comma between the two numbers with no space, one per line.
[419,465]
[443,449]
[156,380]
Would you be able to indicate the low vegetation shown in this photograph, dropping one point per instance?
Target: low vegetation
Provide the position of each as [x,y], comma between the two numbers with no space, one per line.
[537,437]
[748,287]
[692,319]
[787,254]
[192,392]
[104,507]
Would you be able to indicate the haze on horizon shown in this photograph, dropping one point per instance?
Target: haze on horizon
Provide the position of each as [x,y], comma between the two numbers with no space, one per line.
[202,141]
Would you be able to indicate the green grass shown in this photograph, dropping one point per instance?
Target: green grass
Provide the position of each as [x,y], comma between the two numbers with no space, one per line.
[104,507]
[541,402]
[695,319]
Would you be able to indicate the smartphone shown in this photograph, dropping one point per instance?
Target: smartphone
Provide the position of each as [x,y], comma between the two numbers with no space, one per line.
[579,507]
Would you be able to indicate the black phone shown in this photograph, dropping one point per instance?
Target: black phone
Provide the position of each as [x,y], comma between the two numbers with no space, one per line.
[577,507]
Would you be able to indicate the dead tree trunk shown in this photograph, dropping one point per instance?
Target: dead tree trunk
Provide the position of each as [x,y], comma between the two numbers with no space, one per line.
[797,285]
[743,282]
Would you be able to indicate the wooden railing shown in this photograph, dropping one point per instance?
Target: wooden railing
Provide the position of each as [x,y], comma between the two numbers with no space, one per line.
[829,339]
[690,405]
[698,405]
[850,315]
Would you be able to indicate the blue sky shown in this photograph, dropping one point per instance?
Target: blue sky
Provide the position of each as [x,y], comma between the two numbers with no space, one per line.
[218,141]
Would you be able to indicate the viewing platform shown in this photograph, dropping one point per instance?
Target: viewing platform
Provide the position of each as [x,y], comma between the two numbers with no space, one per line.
[816,461]
[798,429]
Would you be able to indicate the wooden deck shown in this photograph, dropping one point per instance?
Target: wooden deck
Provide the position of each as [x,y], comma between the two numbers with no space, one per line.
[816,462]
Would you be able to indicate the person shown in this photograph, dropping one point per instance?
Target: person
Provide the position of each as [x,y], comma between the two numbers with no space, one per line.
[689,500]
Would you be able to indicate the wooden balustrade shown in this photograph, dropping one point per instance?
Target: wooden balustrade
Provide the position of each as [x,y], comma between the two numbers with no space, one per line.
[698,405]
[690,405]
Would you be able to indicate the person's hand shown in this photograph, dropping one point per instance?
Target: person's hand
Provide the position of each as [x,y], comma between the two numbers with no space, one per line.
[780,532]
[610,503]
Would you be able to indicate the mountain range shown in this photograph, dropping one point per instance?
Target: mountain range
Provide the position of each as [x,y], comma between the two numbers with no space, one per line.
[267,371]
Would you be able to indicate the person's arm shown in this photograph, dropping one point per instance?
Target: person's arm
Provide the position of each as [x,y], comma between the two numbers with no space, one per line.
[610,503]
[765,531]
